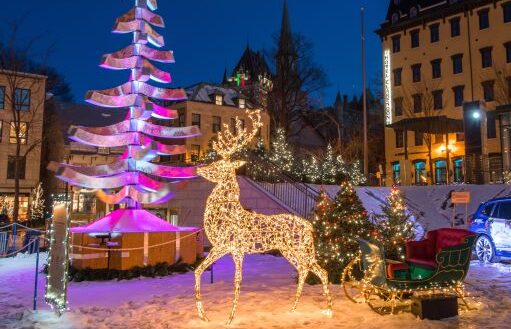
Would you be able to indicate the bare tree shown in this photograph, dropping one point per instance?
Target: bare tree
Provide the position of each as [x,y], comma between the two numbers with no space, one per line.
[25,116]
[502,85]
[297,85]
[419,101]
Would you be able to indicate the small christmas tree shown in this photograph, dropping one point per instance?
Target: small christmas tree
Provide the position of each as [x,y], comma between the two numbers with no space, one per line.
[281,152]
[329,167]
[311,171]
[337,229]
[395,226]
[37,203]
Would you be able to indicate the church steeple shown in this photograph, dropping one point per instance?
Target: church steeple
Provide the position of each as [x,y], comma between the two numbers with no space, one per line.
[225,79]
[286,45]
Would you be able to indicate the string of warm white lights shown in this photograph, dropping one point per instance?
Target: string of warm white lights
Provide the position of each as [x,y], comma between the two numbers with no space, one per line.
[233,230]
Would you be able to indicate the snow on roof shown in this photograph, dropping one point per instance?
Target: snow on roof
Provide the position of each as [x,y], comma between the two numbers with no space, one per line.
[205,92]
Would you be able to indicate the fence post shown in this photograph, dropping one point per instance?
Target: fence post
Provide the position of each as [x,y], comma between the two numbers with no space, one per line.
[14,235]
[36,245]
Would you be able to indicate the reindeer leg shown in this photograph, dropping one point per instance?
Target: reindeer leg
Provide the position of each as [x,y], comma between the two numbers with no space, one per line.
[238,262]
[302,275]
[212,257]
[323,276]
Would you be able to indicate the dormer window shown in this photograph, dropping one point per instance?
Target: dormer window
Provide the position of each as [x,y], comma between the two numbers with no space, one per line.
[242,103]
[219,99]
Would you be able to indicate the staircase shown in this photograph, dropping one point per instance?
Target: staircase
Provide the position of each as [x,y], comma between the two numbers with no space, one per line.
[295,195]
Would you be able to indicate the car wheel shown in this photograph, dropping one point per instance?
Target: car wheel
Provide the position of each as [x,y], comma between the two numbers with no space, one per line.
[484,249]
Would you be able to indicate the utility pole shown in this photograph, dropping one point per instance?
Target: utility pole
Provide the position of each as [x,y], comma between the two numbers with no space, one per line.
[366,150]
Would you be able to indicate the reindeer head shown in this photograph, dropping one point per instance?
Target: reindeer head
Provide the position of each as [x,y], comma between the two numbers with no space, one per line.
[227,144]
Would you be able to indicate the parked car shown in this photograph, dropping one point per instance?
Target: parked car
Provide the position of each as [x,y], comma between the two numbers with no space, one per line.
[492,223]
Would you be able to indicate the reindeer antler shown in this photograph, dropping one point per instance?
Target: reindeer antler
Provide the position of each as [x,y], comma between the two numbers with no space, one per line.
[231,142]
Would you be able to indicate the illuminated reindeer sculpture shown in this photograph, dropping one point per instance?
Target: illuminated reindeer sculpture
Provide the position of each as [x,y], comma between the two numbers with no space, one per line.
[233,230]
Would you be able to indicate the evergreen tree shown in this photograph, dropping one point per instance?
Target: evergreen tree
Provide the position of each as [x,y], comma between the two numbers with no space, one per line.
[329,167]
[395,226]
[337,229]
[281,152]
[355,174]
[310,171]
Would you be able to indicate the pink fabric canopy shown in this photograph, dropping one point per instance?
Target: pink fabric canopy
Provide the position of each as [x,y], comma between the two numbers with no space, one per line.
[129,221]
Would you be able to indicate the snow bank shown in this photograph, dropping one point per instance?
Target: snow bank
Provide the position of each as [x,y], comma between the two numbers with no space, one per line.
[266,298]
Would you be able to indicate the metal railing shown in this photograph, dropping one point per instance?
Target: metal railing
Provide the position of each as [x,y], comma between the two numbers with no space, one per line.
[298,196]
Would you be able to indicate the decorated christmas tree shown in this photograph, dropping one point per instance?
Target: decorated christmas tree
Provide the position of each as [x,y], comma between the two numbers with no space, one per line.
[281,153]
[37,203]
[395,226]
[136,177]
[337,227]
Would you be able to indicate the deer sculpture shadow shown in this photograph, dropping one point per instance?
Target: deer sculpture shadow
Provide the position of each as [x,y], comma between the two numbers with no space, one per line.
[233,230]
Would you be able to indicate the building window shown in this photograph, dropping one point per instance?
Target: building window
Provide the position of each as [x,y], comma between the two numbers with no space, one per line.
[441,172]
[234,129]
[2,97]
[84,203]
[219,100]
[242,121]
[486,58]
[414,37]
[22,133]
[484,19]
[181,120]
[491,125]
[458,170]
[416,73]
[439,138]
[195,152]
[399,138]
[22,99]
[419,138]
[436,67]
[417,103]
[398,106]
[508,79]
[241,103]
[397,77]
[396,173]
[460,137]
[103,150]
[507,12]
[438,99]
[508,60]
[458,95]
[396,43]
[11,163]
[488,90]
[217,123]
[434,30]
[455,27]
[196,119]
[420,173]
[457,64]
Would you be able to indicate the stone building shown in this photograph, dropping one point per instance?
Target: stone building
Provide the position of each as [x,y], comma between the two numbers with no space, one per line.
[211,106]
[28,91]
[447,82]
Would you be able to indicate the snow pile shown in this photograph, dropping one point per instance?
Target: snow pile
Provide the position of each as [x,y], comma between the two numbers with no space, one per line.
[266,298]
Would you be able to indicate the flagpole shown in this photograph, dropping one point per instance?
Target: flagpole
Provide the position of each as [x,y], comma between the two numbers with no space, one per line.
[364,91]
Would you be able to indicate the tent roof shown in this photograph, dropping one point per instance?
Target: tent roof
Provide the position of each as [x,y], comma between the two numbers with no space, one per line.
[430,125]
[129,221]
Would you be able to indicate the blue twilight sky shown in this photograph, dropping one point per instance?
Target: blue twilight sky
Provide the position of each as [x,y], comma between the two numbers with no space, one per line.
[206,36]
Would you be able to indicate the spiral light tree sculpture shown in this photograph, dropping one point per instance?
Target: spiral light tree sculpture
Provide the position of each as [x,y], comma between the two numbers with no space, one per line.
[233,230]
[134,178]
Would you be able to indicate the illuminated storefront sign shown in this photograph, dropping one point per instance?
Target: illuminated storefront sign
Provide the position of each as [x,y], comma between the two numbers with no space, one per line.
[387,85]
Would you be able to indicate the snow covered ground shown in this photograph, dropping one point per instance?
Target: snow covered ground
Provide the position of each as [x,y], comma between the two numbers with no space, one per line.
[266,297]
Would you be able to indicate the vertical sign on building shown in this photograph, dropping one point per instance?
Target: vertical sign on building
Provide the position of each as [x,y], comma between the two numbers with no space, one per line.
[387,86]
[58,259]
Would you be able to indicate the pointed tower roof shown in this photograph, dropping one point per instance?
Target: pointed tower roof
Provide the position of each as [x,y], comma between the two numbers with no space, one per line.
[338,99]
[286,46]
[252,62]
[225,80]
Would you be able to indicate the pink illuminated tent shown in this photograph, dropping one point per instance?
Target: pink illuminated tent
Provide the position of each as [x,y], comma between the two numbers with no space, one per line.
[130,221]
